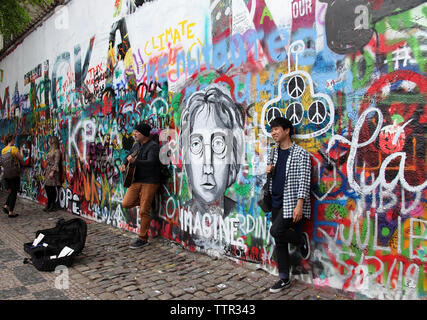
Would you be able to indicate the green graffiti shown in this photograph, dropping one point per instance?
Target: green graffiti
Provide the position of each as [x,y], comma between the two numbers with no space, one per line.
[364,232]
[176,108]
[369,70]
[407,99]
[398,22]
[418,54]
[397,118]
[390,62]
[322,187]
[117,73]
[394,22]
[265,13]
[242,189]
[334,211]
[185,194]
[401,21]
[385,231]
[207,79]
[422,255]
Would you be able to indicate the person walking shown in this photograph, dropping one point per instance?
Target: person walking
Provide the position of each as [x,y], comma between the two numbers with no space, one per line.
[144,156]
[11,159]
[52,174]
[290,190]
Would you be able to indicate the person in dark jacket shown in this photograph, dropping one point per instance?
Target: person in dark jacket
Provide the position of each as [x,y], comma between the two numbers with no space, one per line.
[147,179]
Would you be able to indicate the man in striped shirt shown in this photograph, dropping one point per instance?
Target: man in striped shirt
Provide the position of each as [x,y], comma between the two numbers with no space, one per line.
[290,189]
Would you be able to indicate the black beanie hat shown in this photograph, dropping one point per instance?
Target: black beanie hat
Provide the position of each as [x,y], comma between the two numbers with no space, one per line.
[143,128]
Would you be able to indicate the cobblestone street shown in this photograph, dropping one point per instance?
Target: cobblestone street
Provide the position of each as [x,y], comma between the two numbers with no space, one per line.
[108,270]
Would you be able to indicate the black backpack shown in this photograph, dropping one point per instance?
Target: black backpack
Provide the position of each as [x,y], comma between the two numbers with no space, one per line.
[165,173]
[71,233]
[11,166]
[165,170]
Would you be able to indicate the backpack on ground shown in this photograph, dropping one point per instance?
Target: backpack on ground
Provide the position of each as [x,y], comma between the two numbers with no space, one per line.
[11,166]
[58,245]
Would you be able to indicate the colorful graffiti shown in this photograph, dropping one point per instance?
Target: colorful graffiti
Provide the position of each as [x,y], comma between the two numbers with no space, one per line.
[350,75]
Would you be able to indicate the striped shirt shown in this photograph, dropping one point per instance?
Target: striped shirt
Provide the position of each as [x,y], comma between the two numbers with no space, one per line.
[297,181]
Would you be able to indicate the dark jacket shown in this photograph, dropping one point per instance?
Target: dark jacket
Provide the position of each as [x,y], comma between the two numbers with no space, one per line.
[147,163]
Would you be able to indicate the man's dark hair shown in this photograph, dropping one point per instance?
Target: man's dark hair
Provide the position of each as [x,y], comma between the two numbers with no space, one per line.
[8,138]
[284,123]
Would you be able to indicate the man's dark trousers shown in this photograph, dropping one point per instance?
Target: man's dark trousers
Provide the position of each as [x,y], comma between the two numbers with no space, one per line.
[284,231]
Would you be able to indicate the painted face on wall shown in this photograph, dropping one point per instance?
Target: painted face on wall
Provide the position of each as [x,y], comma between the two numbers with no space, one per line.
[209,157]
[212,143]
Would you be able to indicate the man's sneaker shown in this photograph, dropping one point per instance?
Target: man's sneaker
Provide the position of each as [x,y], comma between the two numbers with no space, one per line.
[305,247]
[280,285]
[138,243]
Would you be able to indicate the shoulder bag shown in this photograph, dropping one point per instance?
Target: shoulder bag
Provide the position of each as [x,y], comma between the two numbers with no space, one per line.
[265,200]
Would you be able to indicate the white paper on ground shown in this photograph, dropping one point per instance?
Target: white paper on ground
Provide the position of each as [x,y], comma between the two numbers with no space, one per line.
[45,244]
[66,251]
[38,239]
[52,257]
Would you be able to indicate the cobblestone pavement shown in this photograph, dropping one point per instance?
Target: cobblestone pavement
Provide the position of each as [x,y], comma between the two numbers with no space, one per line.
[108,270]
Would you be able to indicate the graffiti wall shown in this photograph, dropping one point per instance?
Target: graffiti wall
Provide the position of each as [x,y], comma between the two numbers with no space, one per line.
[209,76]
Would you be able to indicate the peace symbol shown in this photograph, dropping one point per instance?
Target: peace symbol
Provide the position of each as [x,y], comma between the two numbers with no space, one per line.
[273,113]
[317,112]
[296,87]
[294,113]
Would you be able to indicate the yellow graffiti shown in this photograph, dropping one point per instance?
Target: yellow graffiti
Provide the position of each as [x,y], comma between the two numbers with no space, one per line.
[174,35]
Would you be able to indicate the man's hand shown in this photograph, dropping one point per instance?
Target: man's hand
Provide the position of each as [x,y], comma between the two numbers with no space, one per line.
[122,168]
[269,169]
[131,159]
[51,174]
[297,216]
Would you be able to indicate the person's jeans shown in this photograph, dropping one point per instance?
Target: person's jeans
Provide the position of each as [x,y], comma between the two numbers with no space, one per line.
[51,195]
[141,194]
[284,231]
[13,185]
